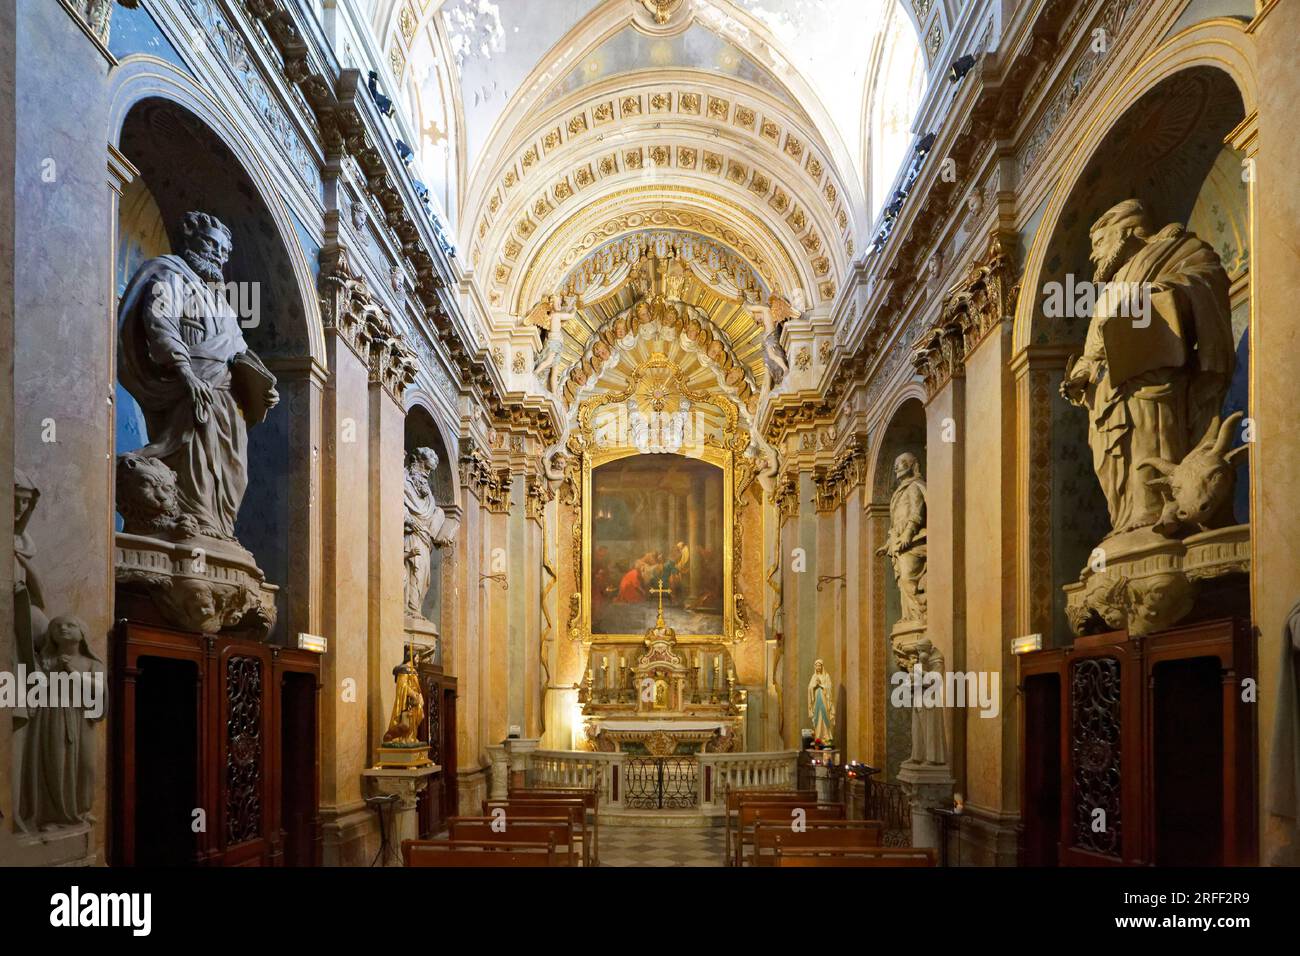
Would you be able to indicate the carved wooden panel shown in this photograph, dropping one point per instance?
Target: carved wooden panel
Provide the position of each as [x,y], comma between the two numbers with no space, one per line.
[1096,729]
[244,690]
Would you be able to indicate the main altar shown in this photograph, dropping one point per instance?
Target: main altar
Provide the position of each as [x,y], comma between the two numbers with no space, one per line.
[660,698]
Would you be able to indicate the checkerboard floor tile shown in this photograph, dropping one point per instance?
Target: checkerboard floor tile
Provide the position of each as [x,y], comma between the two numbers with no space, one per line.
[661,846]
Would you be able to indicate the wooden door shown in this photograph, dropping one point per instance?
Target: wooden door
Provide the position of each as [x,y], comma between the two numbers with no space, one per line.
[1101,790]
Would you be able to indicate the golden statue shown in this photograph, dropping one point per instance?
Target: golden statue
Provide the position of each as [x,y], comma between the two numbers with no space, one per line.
[408,704]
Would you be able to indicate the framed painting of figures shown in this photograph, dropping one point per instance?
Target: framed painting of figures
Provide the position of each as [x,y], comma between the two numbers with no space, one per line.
[659,530]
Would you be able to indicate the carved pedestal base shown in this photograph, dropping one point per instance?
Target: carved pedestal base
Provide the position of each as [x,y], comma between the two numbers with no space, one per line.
[926,786]
[400,818]
[903,637]
[1151,582]
[198,584]
[424,634]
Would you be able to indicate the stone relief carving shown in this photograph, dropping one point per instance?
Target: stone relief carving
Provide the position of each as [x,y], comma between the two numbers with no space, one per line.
[57,787]
[906,542]
[56,762]
[929,745]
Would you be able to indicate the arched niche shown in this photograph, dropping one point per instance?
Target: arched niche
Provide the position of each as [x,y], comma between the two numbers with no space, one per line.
[1168,149]
[904,432]
[421,431]
[184,165]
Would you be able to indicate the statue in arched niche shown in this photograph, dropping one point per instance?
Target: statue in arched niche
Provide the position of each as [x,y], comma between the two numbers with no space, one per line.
[906,543]
[1153,384]
[425,526]
[185,361]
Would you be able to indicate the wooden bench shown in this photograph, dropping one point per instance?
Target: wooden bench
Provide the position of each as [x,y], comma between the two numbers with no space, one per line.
[848,834]
[780,814]
[469,853]
[590,796]
[572,809]
[736,797]
[515,829]
[847,856]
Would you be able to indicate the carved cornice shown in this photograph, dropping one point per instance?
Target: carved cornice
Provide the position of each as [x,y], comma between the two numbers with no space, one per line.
[787,416]
[490,485]
[981,302]
[350,309]
[834,482]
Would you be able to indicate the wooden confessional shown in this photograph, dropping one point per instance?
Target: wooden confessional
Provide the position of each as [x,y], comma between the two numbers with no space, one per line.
[1140,751]
[439,800]
[226,725]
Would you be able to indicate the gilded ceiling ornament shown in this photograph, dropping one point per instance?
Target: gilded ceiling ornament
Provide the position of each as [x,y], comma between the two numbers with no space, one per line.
[661,10]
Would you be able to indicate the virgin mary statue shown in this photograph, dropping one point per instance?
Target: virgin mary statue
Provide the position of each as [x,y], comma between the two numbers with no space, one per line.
[821,703]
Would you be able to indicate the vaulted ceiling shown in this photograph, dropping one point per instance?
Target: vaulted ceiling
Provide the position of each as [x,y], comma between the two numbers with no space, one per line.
[760,126]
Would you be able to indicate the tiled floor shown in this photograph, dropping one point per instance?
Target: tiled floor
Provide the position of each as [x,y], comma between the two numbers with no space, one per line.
[661,846]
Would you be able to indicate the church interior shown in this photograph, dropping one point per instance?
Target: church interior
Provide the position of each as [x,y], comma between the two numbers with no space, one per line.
[650,433]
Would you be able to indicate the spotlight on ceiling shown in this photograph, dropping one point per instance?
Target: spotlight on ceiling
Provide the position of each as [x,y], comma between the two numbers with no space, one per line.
[960,67]
[404,151]
[925,144]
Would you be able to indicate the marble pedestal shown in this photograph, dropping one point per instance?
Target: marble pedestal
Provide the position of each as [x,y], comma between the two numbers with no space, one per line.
[822,761]
[400,819]
[517,751]
[926,786]
[499,785]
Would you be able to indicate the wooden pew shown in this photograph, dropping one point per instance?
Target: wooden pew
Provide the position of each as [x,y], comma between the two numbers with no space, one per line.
[736,797]
[781,814]
[515,829]
[468,853]
[860,856]
[850,834]
[572,809]
[589,795]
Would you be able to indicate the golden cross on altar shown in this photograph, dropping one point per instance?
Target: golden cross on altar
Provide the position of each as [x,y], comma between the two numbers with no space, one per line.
[661,591]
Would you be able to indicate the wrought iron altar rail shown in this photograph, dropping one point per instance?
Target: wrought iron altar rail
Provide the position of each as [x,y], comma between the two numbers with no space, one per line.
[571,768]
[661,783]
[720,773]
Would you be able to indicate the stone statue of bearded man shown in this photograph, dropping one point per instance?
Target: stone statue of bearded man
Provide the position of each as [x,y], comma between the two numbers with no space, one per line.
[1152,382]
[184,359]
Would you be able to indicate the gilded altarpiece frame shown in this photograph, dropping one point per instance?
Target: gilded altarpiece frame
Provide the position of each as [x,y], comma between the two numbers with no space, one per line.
[725,451]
